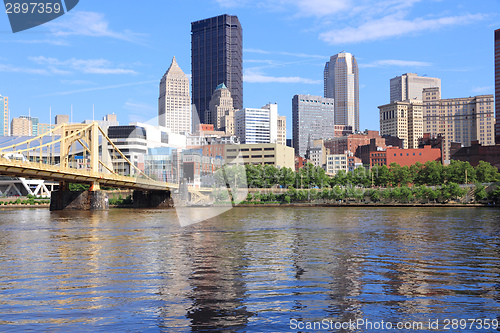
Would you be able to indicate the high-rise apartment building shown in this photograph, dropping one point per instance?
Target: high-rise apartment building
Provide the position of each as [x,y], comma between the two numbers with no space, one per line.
[497,85]
[313,118]
[257,125]
[221,110]
[403,120]
[341,76]
[4,112]
[174,103]
[461,120]
[21,126]
[216,57]
[409,86]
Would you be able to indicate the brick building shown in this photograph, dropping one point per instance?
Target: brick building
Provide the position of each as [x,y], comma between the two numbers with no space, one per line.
[404,157]
[477,152]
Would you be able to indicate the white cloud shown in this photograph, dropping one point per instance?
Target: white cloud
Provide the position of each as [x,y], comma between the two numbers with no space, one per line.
[293,54]
[91,24]
[90,66]
[319,8]
[483,90]
[139,107]
[62,93]
[391,62]
[77,82]
[255,76]
[26,70]
[392,26]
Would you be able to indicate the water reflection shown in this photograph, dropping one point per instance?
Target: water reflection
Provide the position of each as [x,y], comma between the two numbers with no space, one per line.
[247,270]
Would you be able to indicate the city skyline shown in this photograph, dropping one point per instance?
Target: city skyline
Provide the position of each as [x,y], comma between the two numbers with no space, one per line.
[56,65]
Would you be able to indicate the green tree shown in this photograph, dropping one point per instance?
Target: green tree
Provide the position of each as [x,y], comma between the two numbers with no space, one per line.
[431,174]
[458,171]
[381,175]
[486,173]
[480,192]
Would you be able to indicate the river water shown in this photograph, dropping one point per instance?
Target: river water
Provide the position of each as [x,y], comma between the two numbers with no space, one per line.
[251,270]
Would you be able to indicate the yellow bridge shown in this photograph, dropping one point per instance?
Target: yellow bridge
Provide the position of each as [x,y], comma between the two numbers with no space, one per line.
[55,161]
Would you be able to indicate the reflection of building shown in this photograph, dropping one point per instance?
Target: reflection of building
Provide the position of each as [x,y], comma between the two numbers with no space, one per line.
[341,78]
[174,103]
[409,86]
[460,120]
[4,113]
[403,120]
[312,118]
[216,57]
[263,154]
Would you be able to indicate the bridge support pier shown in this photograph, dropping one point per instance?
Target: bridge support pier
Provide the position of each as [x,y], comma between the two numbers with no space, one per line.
[79,200]
[150,199]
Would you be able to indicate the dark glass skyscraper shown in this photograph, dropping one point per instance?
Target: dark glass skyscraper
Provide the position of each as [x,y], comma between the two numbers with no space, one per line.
[216,57]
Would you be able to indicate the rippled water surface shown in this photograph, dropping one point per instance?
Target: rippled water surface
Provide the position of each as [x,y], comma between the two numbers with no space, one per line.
[248,270]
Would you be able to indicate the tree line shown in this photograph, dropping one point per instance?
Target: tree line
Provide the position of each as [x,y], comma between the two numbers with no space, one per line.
[431,173]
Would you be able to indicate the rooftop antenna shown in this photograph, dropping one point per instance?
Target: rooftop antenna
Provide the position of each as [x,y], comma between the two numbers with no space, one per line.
[93,112]
[71,114]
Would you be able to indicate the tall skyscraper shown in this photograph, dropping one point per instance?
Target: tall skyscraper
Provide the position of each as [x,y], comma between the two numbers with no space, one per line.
[497,85]
[216,57]
[312,118]
[409,86]
[221,110]
[4,112]
[341,77]
[461,120]
[174,103]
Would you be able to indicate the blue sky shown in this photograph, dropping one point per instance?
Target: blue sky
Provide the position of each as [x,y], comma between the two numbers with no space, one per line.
[113,53]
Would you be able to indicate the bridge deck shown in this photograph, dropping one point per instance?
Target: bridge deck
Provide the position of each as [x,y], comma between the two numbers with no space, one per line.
[61,174]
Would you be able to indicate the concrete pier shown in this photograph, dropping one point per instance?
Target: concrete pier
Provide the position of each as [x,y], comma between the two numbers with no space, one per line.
[79,200]
[152,199]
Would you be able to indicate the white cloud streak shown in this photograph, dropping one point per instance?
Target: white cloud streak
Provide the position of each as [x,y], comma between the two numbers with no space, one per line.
[92,24]
[392,26]
[292,54]
[391,62]
[25,70]
[90,66]
[63,93]
[255,76]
